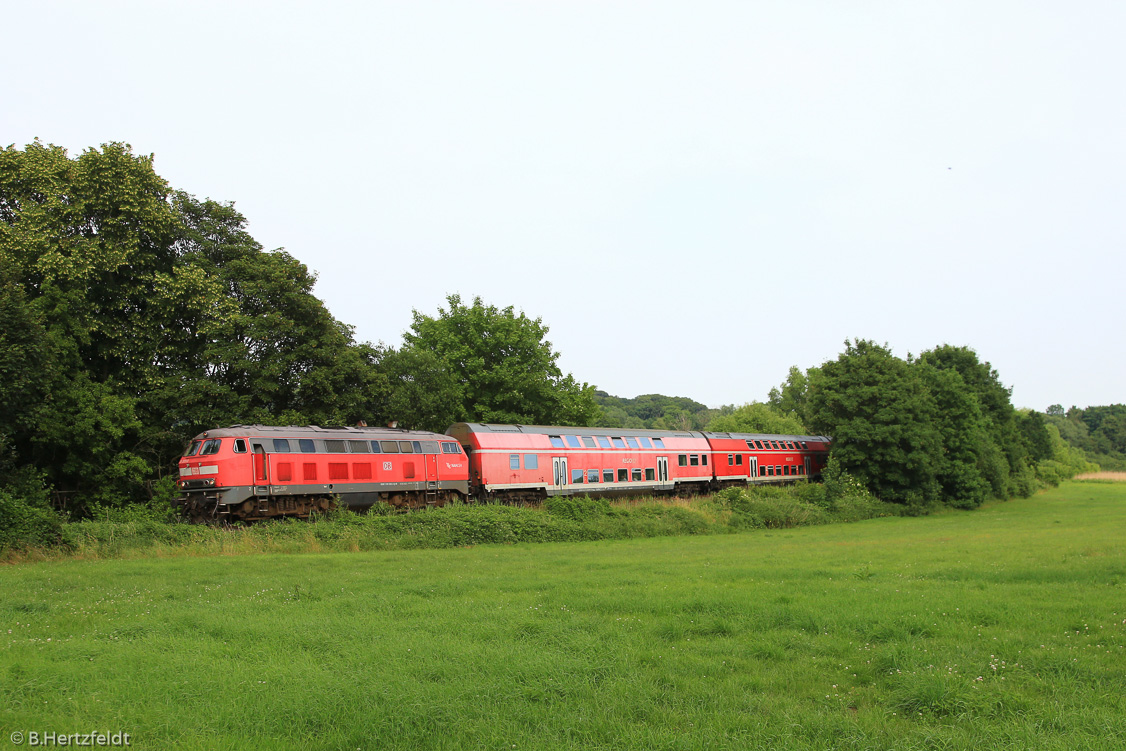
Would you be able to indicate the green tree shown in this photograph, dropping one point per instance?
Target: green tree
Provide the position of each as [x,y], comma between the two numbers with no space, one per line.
[504,369]
[792,397]
[880,414]
[757,417]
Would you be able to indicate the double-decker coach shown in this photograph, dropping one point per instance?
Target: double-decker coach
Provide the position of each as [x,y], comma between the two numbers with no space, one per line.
[741,458]
[526,463]
[261,471]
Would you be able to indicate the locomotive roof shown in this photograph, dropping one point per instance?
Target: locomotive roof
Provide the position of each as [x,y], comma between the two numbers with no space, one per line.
[316,431]
[769,437]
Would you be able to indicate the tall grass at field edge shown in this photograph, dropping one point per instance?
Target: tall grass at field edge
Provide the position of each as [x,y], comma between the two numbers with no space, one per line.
[135,534]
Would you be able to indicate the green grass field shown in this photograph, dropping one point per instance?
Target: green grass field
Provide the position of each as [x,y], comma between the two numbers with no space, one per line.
[1003,628]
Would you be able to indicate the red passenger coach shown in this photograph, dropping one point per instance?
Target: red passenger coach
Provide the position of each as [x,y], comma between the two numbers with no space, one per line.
[260,471]
[531,462]
[758,458]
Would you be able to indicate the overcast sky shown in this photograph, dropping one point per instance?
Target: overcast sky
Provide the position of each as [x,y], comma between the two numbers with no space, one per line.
[693,196]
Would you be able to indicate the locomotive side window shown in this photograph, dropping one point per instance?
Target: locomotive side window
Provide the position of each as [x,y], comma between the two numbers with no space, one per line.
[449,447]
[592,475]
[375,448]
[514,461]
[556,442]
[658,443]
[281,445]
[240,446]
[307,445]
[336,447]
[406,447]
[603,441]
[359,447]
[588,442]
[682,460]
[193,448]
[607,475]
[417,447]
[389,447]
[210,446]
[531,461]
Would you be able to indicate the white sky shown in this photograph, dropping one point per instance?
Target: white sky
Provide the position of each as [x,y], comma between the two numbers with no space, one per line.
[693,196]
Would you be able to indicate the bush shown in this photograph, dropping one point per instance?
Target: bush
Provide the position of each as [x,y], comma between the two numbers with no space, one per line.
[576,508]
[23,525]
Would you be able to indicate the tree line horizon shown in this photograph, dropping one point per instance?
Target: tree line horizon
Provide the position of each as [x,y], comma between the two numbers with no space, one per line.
[134,316]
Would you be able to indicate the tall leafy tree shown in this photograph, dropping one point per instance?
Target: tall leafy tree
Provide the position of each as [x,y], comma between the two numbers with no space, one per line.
[501,366]
[757,417]
[880,414]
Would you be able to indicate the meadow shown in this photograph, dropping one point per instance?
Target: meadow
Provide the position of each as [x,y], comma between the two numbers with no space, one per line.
[1000,628]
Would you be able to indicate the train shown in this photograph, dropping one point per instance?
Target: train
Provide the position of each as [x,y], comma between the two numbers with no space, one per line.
[253,472]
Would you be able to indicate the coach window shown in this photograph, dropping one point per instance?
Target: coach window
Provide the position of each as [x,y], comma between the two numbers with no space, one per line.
[658,443]
[210,447]
[389,447]
[682,460]
[786,469]
[588,442]
[704,459]
[632,443]
[738,460]
[645,444]
[637,475]
[694,460]
[240,446]
[603,441]
[556,442]
[762,470]
[306,446]
[607,475]
[805,445]
[573,441]
[731,460]
[650,474]
[514,461]
[777,470]
[336,447]
[592,475]
[623,475]
[618,443]
[359,447]
[758,445]
[576,476]
[531,461]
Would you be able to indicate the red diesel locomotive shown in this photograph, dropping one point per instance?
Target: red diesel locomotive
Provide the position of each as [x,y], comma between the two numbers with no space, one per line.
[257,472]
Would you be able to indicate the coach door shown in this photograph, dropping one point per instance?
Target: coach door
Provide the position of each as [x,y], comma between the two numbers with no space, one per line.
[662,469]
[807,466]
[752,468]
[559,472]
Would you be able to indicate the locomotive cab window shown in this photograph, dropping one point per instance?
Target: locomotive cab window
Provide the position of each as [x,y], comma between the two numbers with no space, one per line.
[430,447]
[240,445]
[211,446]
[449,447]
[193,449]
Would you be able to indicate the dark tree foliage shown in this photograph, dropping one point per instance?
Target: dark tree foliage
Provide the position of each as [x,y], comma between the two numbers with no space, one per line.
[1100,431]
[489,365]
[653,411]
[135,317]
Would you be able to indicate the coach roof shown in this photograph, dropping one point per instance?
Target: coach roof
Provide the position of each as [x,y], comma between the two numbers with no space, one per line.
[315,431]
[481,427]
